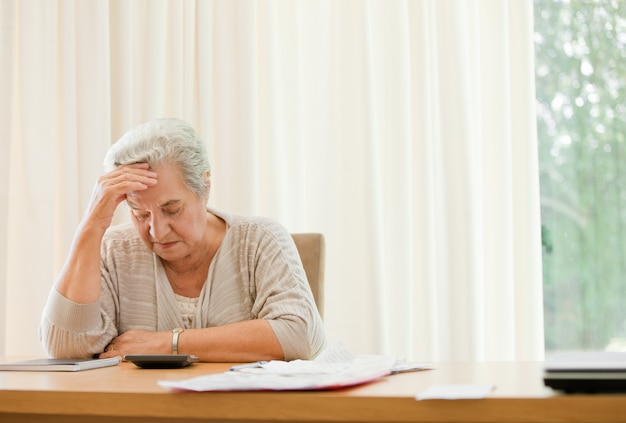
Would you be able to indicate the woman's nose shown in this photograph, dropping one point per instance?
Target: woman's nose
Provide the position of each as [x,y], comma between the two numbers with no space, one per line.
[158,228]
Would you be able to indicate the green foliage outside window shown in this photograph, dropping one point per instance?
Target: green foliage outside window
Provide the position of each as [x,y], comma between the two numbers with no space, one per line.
[580,62]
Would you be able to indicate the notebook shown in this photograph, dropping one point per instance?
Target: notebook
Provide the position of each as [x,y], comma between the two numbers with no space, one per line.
[60,364]
[588,371]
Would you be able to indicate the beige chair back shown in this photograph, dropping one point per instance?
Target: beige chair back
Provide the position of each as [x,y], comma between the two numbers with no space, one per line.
[312,251]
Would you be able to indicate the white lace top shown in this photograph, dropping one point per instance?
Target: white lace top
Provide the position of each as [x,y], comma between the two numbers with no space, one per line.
[188,308]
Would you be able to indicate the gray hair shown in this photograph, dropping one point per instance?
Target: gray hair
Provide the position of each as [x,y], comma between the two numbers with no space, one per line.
[161,141]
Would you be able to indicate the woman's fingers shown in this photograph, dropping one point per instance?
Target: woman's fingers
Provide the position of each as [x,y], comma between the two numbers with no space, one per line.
[111,189]
[129,178]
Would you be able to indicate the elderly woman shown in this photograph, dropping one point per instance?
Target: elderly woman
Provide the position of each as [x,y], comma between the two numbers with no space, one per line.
[181,278]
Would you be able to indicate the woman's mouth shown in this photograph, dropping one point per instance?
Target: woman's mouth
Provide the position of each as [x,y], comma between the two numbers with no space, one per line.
[164,245]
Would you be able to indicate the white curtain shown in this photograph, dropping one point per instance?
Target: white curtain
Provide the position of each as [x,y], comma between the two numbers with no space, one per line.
[402,130]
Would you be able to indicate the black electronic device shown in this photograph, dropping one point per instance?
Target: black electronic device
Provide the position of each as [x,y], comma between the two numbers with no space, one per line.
[161,361]
[587,371]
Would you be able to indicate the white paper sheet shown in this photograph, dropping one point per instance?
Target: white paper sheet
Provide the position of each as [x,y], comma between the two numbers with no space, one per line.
[335,367]
[293,375]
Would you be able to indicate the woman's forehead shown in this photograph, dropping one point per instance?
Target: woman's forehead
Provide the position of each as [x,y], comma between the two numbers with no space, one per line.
[169,189]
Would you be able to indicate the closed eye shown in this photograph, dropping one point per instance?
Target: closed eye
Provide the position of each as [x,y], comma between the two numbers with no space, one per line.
[171,212]
[141,216]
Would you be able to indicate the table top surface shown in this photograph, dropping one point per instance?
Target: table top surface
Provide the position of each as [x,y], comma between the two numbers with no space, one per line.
[126,390]
[512,380]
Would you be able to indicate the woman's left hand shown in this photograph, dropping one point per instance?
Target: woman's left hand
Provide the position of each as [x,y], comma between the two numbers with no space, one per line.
[137,341]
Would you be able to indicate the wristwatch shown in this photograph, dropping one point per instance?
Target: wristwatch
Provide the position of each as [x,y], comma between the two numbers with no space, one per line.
[175,333]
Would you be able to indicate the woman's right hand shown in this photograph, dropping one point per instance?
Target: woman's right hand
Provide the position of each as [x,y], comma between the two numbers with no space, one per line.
[79,279]
[111,189]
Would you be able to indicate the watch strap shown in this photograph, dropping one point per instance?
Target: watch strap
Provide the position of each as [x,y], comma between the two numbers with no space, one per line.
[175,334]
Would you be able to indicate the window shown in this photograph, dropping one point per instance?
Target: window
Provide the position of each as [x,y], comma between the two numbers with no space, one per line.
[580,53]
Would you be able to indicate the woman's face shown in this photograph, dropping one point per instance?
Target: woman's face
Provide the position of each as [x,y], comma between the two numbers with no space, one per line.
[170,219]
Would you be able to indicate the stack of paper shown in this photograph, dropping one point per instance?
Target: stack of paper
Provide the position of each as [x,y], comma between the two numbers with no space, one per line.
[333,368]
[292,375]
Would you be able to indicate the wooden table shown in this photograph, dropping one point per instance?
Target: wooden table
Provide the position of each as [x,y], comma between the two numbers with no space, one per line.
[126,393]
